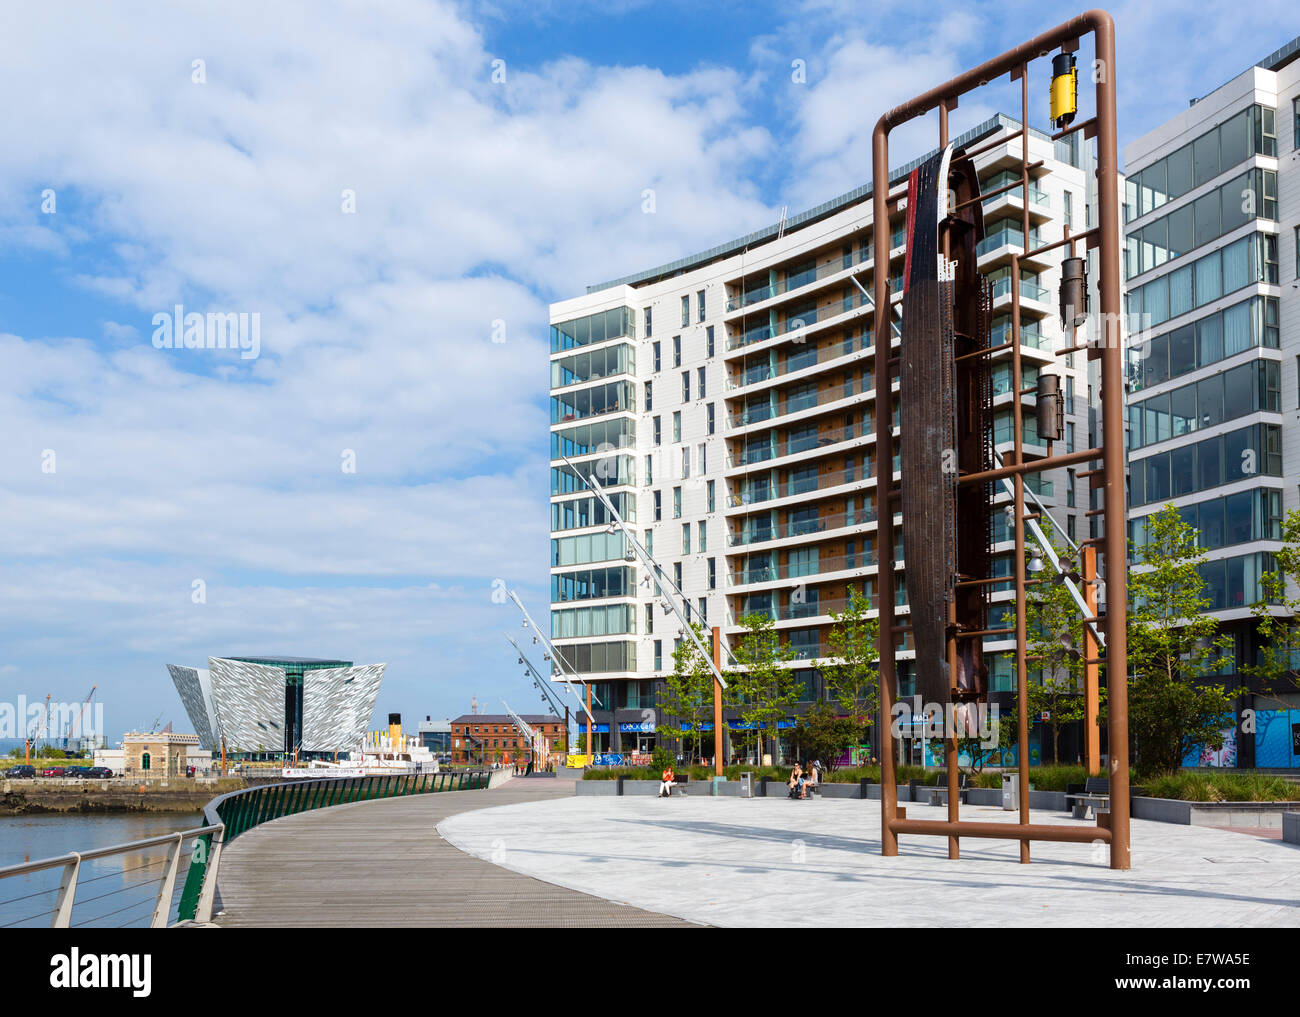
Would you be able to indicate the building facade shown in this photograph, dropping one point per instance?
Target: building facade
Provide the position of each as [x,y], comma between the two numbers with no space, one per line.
[271,706]
[485,738]
[157,755]
[728,404]
[1212,210]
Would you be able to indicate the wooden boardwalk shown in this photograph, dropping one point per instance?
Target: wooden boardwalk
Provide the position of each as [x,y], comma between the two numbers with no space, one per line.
[383,863]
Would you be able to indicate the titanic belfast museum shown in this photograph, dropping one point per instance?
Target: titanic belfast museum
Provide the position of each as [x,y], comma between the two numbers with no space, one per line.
[273,705]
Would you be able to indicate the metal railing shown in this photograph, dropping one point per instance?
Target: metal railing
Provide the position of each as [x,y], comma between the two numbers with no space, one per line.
[226,816]
[813,356]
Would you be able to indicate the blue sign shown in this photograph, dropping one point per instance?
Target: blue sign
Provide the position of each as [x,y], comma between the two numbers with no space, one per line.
[637,727]
[600,728]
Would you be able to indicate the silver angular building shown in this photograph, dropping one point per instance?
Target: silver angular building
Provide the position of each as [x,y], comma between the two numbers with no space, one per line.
[279,704]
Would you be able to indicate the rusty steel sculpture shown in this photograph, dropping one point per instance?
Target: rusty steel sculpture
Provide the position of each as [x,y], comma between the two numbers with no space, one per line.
[947,464]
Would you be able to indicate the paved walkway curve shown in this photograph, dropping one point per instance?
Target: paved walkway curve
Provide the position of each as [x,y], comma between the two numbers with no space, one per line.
[383,863]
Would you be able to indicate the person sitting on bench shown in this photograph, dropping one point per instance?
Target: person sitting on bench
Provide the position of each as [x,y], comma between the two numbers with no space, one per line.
[798,783]
[666,782]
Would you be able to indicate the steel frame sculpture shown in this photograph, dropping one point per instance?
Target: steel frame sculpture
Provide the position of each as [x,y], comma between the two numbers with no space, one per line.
[1113,827]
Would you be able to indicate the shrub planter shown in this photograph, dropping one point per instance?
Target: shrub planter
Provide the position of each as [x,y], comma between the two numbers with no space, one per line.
[1264,815]
[605,788]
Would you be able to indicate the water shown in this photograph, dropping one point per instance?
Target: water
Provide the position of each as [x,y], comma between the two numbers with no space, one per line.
[113,891]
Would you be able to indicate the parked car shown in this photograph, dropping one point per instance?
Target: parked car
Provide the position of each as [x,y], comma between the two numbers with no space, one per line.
[53,771]
[100,772]
[76,771]
[20,771]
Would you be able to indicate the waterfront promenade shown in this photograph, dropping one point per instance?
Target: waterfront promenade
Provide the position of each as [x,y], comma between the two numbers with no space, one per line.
[775,862]
[531,853]
[383,863]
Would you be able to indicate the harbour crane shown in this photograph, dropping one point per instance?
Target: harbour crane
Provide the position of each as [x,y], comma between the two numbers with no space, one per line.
[75,722]
[35,733]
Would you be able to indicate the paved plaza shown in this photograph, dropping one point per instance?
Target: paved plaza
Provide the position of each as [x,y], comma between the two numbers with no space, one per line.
[771,861]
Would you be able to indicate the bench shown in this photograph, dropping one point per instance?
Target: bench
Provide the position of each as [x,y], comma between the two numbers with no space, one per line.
[1095,795]
[680,780]
[814,789]
[937,791]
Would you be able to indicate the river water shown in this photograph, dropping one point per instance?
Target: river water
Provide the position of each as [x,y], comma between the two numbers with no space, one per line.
[113,891]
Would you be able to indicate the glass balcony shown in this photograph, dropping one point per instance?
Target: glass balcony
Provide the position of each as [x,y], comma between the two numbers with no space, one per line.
[757,494]
[1029,336]
[1028,290]
[752,375]
[795,322]
[1007,236]
[790,283]
[785,406]
[758,531]
[770,573]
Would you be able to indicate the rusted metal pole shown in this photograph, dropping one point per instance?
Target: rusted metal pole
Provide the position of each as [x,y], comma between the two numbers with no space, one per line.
[1112,408]
[717,703]
[882,322]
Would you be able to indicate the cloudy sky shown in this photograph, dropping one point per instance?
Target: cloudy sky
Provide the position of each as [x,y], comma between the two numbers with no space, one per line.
[380,183]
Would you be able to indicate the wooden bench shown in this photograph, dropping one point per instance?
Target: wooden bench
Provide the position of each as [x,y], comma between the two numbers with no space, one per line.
[1095,796]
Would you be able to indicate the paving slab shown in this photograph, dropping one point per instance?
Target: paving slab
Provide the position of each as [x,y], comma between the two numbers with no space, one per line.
[766,862]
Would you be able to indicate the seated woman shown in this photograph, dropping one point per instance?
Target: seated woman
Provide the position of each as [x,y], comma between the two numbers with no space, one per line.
[796,782]
[666,782]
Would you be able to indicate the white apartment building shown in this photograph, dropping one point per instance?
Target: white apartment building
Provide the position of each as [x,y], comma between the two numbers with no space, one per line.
[1212,212]
[730,399]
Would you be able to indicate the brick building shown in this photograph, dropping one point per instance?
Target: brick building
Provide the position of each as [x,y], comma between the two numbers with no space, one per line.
[156,755]
[485,737]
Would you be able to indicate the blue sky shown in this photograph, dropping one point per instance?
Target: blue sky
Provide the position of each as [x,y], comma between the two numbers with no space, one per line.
[475,201]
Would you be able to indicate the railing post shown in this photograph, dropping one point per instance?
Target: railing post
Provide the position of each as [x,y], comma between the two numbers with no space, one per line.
[207,895]
[162,909]
[67,892]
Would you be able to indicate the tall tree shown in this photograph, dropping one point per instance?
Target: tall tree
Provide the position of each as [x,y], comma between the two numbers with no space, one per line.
[1054,631]
[688,695]
[850,670]
[1171,646]
[765,688]
[1276,615]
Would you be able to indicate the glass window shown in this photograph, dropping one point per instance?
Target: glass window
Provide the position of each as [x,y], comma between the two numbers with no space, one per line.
[1209,400]
[1207,208]
[1205,157]
[1182,466]
[1209,339]
[1180,291]
[1180,171]
[1211,522]
[1235,140]
[1209,284]
[1235,446]
[1182,407]
[1236,265]
[1157,477]
[1182,350]
[1238,391]
[1209,464]
[1240,202]
[1237,509]
[1181,231]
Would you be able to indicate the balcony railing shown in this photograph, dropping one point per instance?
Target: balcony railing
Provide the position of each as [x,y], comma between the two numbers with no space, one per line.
[749,574]
[796,322]
[756,495]
[1028,290]
[1029,336]
[791,404]
[752,375]
[791,283]
[761,452]
[1007,236]
[760,532]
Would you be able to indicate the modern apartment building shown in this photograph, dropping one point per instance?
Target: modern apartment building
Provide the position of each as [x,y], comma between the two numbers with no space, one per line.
[730,400]
[1212,210]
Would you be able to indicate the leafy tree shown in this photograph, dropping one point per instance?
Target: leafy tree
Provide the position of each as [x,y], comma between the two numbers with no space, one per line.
[765,689]
[824,733]
[687,695]
[1171,644]
[1279,631]
[851,673]
[1054,641]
